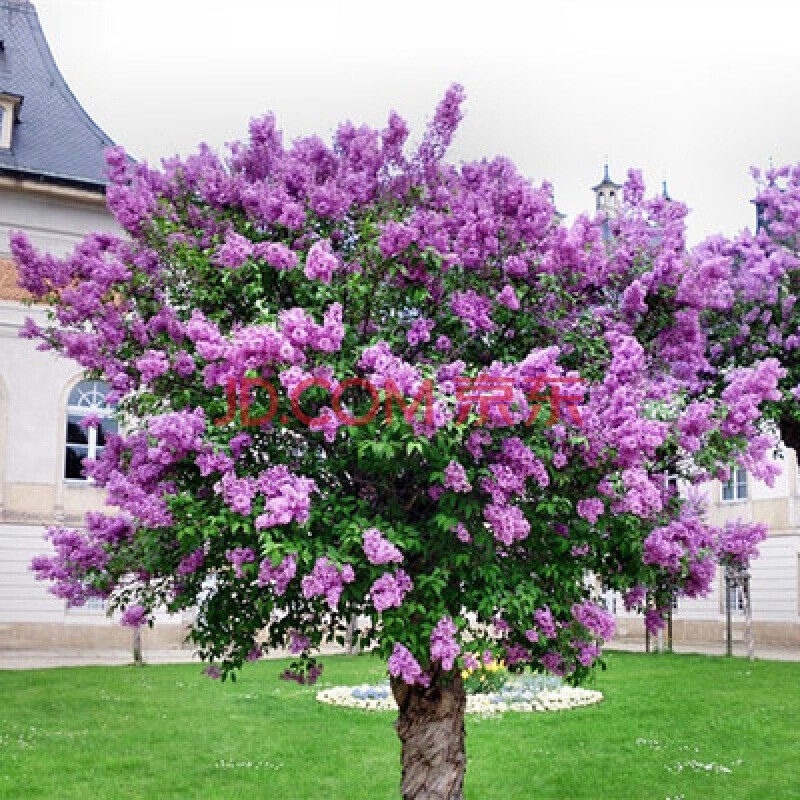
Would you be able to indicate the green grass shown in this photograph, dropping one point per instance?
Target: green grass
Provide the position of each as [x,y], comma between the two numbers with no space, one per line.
[166,732]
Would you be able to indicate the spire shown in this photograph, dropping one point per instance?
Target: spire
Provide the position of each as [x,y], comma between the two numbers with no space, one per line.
[46,134]
[607,181]
[664,191]
[607,195]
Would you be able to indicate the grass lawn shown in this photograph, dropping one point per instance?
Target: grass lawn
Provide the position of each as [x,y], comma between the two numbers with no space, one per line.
[166,732]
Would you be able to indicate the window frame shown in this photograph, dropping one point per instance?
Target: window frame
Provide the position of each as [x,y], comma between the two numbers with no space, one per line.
[737,595]
[94,607]
[10,104]
[738,485]
[79,410]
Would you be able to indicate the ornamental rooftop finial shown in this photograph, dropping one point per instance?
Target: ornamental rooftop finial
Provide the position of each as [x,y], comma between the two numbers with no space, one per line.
[607,182]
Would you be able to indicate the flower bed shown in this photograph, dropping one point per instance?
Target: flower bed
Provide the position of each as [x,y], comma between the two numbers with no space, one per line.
[529,694]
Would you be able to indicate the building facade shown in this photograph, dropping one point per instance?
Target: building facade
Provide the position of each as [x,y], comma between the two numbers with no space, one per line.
[52,188]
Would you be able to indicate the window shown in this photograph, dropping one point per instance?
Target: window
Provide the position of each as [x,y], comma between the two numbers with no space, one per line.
[735,488]
[9,114]
[609,600]
[737,593]
[736,598]
[86,404]
[93,605]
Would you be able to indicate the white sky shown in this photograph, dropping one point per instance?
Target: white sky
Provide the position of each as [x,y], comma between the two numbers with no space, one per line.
[692,91]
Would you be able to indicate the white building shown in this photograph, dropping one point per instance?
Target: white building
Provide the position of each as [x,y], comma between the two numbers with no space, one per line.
[52,188]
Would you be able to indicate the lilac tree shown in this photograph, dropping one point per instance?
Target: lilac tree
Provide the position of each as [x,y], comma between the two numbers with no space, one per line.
[354,379]
[754,280]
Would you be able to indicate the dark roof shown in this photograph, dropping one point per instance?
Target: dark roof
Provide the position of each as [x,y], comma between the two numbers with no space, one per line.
[55,140]
[606,181]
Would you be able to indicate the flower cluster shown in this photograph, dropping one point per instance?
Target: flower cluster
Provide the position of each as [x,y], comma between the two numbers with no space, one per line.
[545,622]
[321,262]
[240,556]
[278,576]
[380,550]
[403,665]
[508,523]
[134,616]
[599,622]
[389,590]
[327,579]
[444,647]
[420,331]
[75,557]
[737,543]
[455,478]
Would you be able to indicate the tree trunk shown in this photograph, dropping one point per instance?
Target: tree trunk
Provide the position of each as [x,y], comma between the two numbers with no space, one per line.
[430,725]
[137,647]
[349,635]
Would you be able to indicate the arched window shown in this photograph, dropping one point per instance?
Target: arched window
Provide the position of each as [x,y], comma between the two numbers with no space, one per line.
[89,421]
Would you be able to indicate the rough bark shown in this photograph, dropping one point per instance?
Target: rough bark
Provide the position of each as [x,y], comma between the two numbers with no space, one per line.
[430,725]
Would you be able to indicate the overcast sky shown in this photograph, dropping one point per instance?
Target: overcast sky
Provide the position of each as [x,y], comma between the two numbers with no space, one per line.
[694,92]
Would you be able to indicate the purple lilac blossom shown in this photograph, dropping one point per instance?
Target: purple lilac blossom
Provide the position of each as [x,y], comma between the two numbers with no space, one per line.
[545,622]
[328,580]
[455,478]
[595,619]
[389,590]
[279,577]
[321,262]
[298,643]
[239,556]
[403,665]
[380,550]
[134,616]
[444,647]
